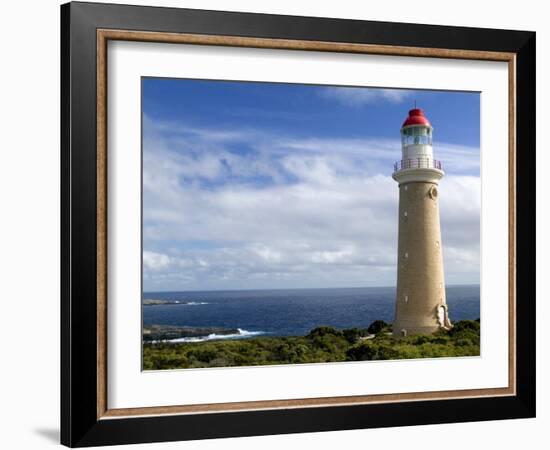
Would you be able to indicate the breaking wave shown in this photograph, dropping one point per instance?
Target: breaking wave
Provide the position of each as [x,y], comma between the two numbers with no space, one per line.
[242,334]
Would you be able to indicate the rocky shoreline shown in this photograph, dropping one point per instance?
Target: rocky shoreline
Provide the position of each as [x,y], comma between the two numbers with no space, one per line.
[158,302]
[156,333]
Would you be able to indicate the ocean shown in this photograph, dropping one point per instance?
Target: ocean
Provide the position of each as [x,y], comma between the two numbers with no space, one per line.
[290,312]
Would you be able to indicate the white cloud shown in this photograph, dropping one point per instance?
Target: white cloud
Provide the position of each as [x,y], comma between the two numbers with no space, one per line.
[361,96]
[155,261]
[289,212]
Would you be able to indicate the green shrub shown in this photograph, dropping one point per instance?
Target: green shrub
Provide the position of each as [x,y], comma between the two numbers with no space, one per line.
[362,352]
[422,339]
[466,329]
[323,331]
[377,326]
[352,335]
[463,342]
[322,344]
[205,355]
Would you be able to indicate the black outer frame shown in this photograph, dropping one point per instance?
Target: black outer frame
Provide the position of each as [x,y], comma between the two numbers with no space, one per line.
[79,424]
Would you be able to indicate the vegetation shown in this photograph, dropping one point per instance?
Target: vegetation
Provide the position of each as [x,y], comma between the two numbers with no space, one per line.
[322,344]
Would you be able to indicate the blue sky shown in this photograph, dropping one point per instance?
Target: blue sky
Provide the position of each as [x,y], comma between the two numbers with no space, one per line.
[267,185]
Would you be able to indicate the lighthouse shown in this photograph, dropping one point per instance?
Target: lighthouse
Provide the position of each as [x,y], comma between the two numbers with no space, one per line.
[420,304]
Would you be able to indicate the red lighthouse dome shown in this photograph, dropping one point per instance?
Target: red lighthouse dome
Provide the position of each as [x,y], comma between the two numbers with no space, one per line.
[416,117]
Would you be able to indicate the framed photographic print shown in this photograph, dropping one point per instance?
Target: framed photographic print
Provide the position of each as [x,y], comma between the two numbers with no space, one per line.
[276,224]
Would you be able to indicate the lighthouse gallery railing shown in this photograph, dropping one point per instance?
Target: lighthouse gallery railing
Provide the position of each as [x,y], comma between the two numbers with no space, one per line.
[417,163]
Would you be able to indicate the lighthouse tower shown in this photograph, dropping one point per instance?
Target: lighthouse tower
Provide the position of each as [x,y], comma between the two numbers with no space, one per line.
[420,305]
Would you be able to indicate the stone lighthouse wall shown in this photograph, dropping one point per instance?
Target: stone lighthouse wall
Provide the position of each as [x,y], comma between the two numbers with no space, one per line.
[420,304]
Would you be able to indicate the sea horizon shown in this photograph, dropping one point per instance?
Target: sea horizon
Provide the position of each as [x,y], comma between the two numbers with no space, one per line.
[287,289]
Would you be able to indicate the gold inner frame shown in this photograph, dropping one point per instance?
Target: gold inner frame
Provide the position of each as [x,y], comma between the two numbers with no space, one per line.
[104,35]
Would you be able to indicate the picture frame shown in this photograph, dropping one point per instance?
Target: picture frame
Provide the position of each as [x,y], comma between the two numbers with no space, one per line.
[86,418]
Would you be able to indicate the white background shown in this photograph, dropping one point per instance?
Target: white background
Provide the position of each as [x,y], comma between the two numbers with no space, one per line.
[130,388]
[29,237]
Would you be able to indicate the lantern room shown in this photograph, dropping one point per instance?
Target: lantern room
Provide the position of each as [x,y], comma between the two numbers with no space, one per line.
[416,137]
[416,129]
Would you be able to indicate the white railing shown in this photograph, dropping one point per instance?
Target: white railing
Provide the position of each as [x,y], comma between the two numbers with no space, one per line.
[417,163]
